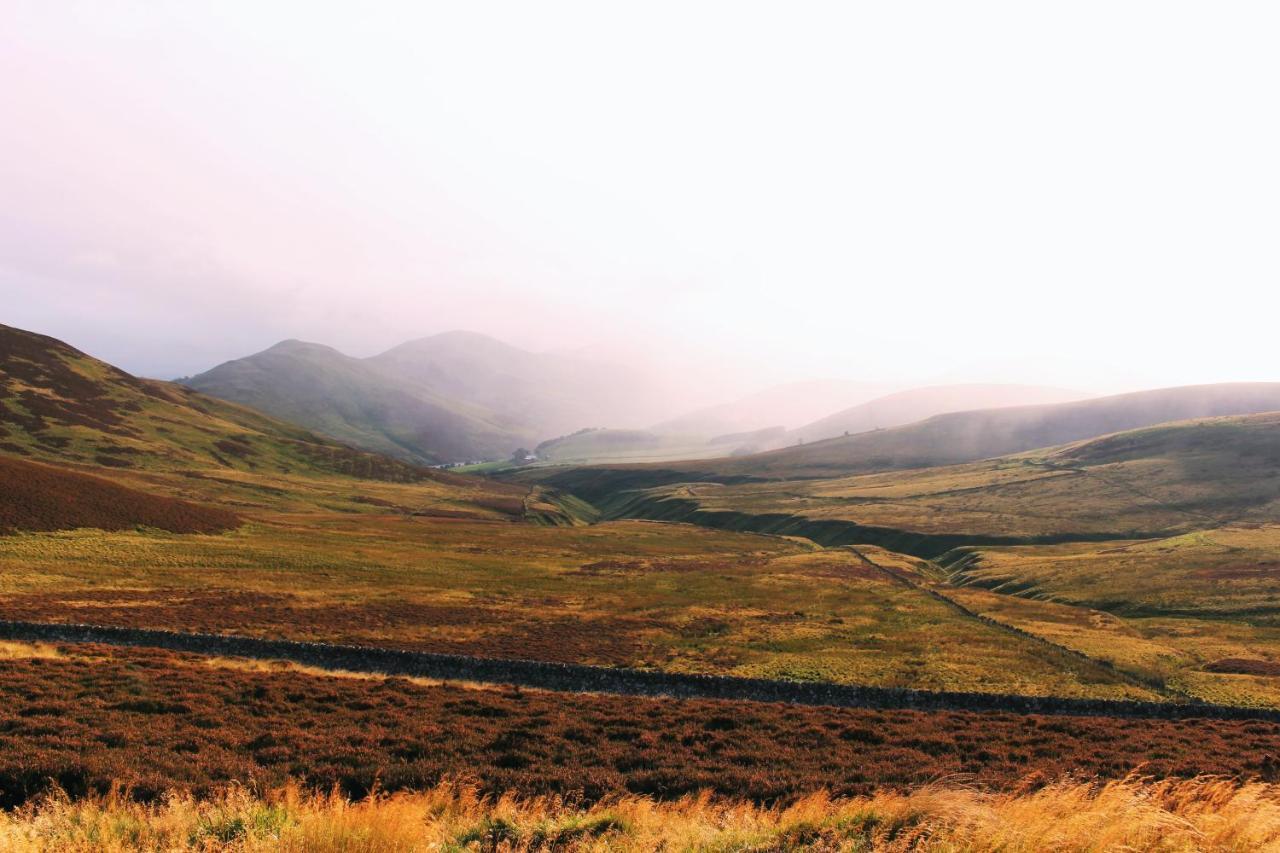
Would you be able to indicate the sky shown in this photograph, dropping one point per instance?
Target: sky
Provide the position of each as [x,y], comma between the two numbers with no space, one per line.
[1078,194]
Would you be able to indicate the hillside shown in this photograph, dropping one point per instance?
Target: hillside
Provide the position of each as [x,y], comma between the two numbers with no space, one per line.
[916,404]
[47,497]
[352,401]
[1157,481]
[606,446]
[965,436]
[451,397]
[942,440]
[61,405]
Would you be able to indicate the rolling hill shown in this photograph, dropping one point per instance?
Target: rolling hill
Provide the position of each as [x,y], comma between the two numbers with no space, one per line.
[916,404]
[788,405]
[948,439]
[1156,481]
[451,397]
[60,405]
[352,401]
[720,431]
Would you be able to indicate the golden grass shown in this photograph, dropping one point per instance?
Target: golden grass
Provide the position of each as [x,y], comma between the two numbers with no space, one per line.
[11,650]
[257,665]
[1132,814]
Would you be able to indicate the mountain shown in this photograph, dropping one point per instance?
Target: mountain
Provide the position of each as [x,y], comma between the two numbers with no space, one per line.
[785,405]
[966,436]
[451,397]
[58,404]
[947,439]
[916,404]
[352,400]
[547,394]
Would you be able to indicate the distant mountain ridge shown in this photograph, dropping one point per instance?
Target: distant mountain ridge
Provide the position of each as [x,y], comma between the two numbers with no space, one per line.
[948,439]
[450,397]
[971,435]
[916,404]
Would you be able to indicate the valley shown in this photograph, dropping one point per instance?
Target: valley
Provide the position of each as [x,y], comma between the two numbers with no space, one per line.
[1134,566]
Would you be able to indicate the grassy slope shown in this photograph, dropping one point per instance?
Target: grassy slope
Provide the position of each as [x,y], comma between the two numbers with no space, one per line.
[1173,478]
[943,440]
[1202,595]
[48,497]
[349,399]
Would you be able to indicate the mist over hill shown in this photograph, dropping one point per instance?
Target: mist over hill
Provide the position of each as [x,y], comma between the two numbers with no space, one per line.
[966,436]
[916,404]
[445,398]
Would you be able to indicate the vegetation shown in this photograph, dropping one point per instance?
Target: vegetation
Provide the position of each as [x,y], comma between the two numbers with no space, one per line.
[1130,814]
[59,405]
[88,718]
[1173,478]
[674,597]
[45,497]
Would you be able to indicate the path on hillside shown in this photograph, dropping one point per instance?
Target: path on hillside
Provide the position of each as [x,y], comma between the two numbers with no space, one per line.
[578,678]
[1073,654]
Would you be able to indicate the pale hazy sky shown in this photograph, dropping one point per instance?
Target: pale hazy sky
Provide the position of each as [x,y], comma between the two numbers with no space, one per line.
[1083,194]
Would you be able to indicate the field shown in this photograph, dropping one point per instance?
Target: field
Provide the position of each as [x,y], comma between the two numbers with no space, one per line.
[633,593]
[87,718]
[1134,566]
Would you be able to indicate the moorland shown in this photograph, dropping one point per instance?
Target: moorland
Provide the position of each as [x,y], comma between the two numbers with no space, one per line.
[1134,562]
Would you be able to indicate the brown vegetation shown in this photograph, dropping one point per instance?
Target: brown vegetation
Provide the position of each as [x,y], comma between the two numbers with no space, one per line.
[45,497]
[94,717]
[1244,666]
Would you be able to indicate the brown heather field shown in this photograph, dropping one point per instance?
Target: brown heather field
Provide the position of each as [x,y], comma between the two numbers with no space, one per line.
[47,497]
[87,718]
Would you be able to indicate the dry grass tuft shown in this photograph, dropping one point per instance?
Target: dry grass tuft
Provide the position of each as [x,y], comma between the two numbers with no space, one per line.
[1132,814]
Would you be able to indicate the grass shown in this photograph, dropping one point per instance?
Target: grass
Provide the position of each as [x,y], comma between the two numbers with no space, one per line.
[631,593]
[1217,573]
[1131,814]
[1197,611]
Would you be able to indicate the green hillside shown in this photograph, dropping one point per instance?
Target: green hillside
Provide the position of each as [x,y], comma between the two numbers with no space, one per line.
[1141,483]
[943,440]
[350,400]
[60,405]
[452,397]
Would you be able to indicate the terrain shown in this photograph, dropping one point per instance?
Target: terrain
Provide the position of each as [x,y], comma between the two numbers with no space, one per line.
[457,396]
[1151,551]
[1136,565]
[761,422]
[958,437]
[917,404]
